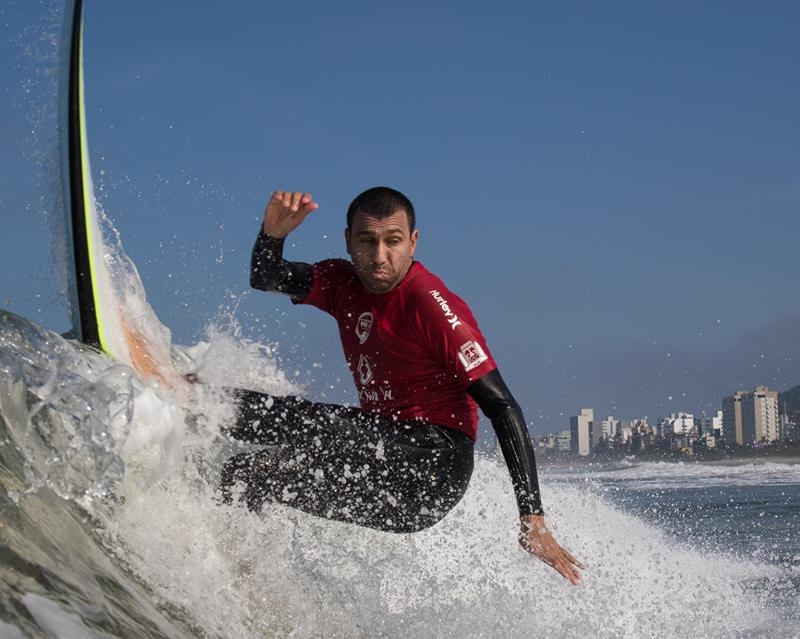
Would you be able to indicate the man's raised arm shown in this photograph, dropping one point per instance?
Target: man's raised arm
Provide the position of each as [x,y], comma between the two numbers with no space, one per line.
[284,212]
[498,404]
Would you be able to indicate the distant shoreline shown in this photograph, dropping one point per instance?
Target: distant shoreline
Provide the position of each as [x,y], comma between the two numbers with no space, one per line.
[789,457]
[738,461]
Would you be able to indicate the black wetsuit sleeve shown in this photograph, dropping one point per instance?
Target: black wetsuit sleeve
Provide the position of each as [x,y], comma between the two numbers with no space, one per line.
[498,404]
[270,272]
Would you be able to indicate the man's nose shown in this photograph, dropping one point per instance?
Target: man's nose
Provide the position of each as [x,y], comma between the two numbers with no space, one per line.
[381,251]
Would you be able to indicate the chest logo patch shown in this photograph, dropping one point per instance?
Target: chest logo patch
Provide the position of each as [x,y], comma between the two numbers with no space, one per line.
[471,355]
[365,373]
[364,326]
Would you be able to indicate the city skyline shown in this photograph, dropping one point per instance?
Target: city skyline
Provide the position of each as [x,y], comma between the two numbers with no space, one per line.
[745,419]
[686,409]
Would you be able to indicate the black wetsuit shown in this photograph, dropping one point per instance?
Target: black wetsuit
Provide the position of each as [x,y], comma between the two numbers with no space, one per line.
[343,463]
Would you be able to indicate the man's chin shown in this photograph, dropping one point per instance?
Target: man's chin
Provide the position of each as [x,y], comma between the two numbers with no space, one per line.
[378,285]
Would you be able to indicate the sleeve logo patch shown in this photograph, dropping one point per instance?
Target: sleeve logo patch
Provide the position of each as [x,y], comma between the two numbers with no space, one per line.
[471,355]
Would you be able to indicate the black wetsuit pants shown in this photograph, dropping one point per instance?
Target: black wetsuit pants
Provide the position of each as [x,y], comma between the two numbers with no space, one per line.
[341,463]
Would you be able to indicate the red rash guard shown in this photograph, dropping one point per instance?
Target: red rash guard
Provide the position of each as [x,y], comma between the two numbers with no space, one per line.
[412,351]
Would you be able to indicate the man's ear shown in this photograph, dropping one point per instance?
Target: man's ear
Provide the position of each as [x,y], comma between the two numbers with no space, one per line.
[414,238]
[347,241]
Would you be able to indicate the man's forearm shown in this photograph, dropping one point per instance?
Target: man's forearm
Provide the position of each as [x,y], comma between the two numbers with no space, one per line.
[512,435]
[497,403]
[270,272]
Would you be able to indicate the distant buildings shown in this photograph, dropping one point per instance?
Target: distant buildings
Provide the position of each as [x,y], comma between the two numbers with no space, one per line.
[677,424]
[564,441]
[611,427]
[789,429]
[585,433]
[746,418]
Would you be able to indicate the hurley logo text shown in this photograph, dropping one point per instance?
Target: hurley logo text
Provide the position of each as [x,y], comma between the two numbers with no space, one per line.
[452,318]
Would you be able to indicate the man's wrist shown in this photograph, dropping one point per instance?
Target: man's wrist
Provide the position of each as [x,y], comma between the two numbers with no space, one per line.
[271,233]
[534,523]
[529,505]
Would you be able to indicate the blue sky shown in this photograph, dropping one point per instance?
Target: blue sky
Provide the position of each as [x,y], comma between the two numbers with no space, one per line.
[613,187]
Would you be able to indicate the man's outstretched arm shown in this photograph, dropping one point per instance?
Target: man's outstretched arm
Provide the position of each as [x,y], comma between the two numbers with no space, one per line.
[498,404]
[284,212]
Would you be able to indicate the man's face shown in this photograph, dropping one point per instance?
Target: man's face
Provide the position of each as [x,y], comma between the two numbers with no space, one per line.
[381,250]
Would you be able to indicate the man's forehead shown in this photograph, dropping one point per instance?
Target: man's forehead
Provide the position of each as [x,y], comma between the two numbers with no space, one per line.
[366,223]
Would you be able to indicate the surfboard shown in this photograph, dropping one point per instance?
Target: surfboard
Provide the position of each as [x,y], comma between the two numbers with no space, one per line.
[87,319]
[101,315]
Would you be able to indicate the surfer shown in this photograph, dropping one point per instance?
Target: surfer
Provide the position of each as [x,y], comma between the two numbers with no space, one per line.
[420,364]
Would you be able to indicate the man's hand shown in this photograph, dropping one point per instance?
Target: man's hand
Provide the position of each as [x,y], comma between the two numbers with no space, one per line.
[538,540]
[286,211]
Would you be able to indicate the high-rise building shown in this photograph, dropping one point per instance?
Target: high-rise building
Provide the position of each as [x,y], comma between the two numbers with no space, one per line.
[716,424]
[760,421]
[582,432]
[611,427]
[751,417]
[732,417]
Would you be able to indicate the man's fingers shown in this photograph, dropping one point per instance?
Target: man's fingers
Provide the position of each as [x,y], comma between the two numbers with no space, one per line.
[306,202]
[294,201]
[569,567]
[565,566]
[550,552]
[300,202]
[569,572]
[281,198]
[574,561]
[286,210]
[568,556]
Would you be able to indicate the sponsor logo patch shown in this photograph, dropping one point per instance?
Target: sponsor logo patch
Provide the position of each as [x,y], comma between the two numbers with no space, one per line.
[364,326]
[365,373]
[471,355]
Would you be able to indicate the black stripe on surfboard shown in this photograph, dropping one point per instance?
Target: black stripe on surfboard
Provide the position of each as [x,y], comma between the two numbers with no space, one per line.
[88,329]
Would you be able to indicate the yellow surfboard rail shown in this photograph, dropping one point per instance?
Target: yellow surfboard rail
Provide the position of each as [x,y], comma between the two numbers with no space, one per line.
[88,312]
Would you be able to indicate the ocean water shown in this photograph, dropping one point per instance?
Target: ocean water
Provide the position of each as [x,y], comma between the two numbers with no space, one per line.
[110,527]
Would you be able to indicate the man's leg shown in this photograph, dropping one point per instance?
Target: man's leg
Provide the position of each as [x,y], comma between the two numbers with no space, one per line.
[271,420]
[338,463]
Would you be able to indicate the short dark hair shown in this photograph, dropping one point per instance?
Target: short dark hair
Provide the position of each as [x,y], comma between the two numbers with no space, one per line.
[381,202]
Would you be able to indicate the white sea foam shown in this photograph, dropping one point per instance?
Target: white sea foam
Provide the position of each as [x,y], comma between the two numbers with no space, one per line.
[284,573]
